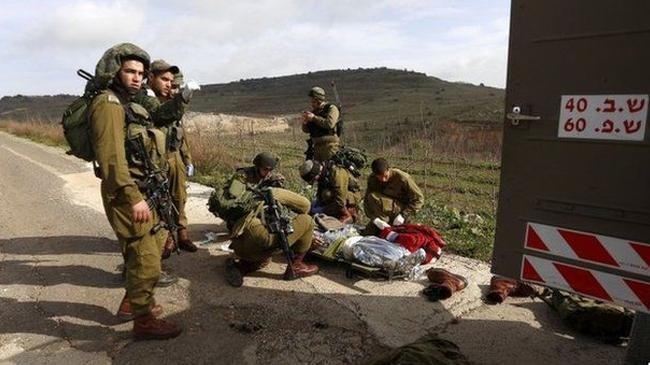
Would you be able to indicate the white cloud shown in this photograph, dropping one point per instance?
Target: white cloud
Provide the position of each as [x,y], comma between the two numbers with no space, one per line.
[225,40]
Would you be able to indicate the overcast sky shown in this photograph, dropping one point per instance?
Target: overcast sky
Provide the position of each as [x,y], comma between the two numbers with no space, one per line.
[43,43]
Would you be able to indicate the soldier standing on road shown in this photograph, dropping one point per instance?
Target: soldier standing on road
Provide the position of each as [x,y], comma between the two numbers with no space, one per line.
[338,194]
[321,124]
[113,118]
[166,111]
[392,194]
[184,149]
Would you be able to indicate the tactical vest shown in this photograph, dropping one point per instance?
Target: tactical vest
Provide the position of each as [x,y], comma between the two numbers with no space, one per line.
[316,131]
[138,123]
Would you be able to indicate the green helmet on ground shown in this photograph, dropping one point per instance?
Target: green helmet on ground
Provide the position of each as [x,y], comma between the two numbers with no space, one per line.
[111,61]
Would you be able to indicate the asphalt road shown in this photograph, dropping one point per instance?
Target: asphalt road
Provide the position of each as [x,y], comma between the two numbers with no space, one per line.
[60,287]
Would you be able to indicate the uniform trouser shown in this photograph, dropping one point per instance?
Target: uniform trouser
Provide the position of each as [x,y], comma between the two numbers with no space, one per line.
[256,243]
[378,205]
[325,147]
[177,181]
[141,250]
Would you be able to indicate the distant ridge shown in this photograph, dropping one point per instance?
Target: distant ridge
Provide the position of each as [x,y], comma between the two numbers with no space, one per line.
[372,95]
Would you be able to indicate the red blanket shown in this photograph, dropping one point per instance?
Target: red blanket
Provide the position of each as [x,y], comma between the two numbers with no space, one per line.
[414,237]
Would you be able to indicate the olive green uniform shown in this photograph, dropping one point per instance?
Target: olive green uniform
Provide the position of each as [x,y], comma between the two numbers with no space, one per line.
[140,247]
[322,131]
[398,195]
[167,115]
[251,239]
[337,191]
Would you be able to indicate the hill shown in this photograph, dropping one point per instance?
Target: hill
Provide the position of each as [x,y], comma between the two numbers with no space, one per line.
[377,95]
[47,108]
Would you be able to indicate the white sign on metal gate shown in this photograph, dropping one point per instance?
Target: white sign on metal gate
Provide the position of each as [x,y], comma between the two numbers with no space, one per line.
[613,117]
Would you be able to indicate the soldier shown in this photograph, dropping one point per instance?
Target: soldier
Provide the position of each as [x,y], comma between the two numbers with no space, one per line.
[184,148]
[113,118]
[261,173]
[321,124]
[251,240]
[392,194]
[338,194]
[166,111]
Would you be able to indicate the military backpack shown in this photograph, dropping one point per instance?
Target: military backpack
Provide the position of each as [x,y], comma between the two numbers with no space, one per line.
[233,200]
[76,127]
[351,159]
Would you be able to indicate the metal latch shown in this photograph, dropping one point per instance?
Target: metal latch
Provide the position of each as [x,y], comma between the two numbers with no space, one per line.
[515,116]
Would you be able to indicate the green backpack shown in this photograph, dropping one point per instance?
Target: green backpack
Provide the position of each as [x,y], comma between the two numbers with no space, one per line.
[233,200]
[352,159]
[76,128]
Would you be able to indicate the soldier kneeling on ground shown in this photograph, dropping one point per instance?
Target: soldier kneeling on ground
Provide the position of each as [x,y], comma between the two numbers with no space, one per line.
[242,207]
[338,193]
[392,194]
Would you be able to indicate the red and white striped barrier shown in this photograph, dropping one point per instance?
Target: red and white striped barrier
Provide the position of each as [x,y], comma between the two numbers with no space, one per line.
[590,247]
[629,293]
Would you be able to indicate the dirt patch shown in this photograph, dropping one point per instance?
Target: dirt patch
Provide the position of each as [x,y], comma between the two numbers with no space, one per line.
[234,124]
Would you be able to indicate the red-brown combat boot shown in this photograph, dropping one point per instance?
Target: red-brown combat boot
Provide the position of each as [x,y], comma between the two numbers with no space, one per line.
[148,327]
[169,247]
[299,269]
[125,311]
[184,241]
[444,284]
[501,288]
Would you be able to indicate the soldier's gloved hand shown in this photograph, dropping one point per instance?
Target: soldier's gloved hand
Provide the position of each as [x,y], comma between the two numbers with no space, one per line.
[399,220]
[190,170]
[188,89]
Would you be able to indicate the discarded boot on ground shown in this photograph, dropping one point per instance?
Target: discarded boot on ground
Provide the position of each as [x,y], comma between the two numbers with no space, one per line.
[125,311]
[237,269]
[148,327]
[184,241]
[299,269]
[501,288]
[445,284]
[169,247]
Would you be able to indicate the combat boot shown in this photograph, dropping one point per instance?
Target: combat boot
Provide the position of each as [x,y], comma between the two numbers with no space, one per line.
[125,311]
[299,269]
[237,269]
[148,327]
[184,241]
[501,288]
[444,284]
[169,247]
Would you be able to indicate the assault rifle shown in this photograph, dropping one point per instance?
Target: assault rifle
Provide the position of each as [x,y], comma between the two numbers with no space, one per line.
[278,224]
[155,186]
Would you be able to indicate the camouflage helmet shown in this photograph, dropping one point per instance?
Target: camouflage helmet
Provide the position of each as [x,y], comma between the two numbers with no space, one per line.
[266,159]
[111,61]
[317,92]
[309,170]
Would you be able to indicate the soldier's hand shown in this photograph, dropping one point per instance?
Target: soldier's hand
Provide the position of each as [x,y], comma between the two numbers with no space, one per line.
[140,212]
[309,116]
